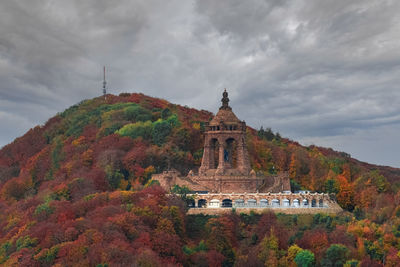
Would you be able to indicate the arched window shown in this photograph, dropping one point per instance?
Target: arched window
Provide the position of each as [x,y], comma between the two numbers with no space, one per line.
[227,203]
[313,203]
[214,203]
[296,203]
[286,202]
[264,202]
[202,203]
[276,203]
[321,203]
[239,203]
[252,202]
[191,203]
[305,202]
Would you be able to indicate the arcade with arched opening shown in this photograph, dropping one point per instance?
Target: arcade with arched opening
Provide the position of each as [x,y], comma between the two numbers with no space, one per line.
[255,201]
[227,203]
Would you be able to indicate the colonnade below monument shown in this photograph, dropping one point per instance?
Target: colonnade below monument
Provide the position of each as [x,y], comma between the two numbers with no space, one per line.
[262,200]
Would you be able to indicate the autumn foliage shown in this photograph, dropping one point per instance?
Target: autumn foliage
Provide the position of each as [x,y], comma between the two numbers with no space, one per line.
[78,191]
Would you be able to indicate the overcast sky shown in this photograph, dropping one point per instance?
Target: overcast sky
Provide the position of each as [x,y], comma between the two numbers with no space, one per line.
[319,72]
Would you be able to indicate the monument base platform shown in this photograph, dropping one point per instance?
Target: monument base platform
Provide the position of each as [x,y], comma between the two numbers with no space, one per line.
[225,183]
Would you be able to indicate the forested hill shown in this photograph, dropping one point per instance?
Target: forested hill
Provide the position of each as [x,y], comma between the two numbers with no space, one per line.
[79,189]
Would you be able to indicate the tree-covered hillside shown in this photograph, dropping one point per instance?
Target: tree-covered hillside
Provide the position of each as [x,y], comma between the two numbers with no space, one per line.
[78,191]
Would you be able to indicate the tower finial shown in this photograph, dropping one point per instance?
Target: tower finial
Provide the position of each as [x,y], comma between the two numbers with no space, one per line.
[225,101]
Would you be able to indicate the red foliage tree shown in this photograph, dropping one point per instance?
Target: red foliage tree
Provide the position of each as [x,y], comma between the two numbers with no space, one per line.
[214,258]
[98,177]
[340,236]
[137,155]
[392,258]
[368,262]
[267,222]
[14,189]
[315,240]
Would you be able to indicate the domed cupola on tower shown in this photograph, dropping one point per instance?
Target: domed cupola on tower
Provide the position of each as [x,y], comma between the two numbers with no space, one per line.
[225,117]
[225,151]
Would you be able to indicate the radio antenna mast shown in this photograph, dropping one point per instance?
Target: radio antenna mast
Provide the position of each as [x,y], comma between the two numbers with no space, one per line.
[104,82]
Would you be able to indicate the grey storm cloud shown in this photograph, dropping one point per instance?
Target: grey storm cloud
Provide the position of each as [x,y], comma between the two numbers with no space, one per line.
[320,72]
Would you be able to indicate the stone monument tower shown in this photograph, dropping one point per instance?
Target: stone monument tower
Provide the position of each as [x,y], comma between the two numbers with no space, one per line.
[225,151]
[225,166]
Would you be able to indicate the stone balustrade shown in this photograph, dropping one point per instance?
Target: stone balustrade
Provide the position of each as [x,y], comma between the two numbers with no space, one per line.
[262,200]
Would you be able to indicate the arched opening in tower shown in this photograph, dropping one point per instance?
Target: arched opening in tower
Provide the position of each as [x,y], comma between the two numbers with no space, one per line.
[230,153]
[215,153]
